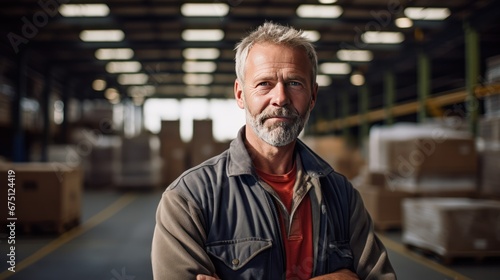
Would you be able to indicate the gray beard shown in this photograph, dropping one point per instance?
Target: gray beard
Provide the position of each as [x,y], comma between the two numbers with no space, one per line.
[279,134]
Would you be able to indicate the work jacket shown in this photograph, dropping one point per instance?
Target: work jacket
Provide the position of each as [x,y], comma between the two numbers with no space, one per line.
[220,218]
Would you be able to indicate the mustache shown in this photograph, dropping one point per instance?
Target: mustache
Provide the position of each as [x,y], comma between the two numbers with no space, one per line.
[280,112]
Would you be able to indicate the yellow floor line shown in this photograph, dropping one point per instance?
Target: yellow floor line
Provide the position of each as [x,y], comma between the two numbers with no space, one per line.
[402,250]
[72,234]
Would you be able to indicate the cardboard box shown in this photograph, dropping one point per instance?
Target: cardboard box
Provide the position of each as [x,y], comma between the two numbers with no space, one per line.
[426,165]
[336,152]
[170,132]
[47,195]
[383,205]
[490,173]
[202,131]
[452,226]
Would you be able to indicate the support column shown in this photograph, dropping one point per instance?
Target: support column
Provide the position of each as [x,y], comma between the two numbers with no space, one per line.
[18,141]
[344,99]
[389,96]
[48,83]
[472,61]
[364,96]
[424,85]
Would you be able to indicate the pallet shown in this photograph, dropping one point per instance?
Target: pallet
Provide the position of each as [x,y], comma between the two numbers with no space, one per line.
[451,257]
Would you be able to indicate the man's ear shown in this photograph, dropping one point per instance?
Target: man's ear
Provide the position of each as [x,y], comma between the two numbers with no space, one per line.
[314,95]
[238,94]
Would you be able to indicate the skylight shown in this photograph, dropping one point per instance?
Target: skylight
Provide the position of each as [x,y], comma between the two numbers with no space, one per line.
[204,9]
[199,66]
[84,10]
[133,79]
[335,68]
[382,37]
[202,35]
[109,54]
[420,13]
[319,11]
[201,53]
[123,66]
[355,55]
[112,35]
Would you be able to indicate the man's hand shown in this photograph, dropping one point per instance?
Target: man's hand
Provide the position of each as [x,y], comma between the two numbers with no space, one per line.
[343,274]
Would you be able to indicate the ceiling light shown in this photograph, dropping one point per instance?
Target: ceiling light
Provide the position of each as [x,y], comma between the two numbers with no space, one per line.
[197,79]
[319,11]
[144,90]
[133,79]
[327,1]
[420,13]
[312,35]
[99,84]
[355,55]
[381,37]
[202,35]
[403,22]
[206,10]
[111,93]
[197,90]
[201,53]
[199,66]
[108,54]
[357,79]
[112,35]
[335,68]
[123,66]
[323,80]
[84,10]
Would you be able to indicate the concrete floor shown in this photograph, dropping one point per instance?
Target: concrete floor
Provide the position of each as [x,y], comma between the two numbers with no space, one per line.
[114,242]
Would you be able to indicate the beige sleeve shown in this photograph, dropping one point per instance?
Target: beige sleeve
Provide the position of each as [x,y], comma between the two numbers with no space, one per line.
[370,256]
[178,247]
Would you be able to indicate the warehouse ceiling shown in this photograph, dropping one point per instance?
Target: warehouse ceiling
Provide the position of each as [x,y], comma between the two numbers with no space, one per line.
[35,32]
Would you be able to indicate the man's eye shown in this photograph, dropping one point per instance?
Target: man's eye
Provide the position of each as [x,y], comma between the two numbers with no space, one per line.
[294,83]
[263,84]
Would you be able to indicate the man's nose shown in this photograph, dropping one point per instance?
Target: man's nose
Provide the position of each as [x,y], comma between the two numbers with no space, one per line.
[279,95]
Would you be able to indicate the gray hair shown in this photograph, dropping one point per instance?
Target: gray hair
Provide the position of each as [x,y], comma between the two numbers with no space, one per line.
[275,34]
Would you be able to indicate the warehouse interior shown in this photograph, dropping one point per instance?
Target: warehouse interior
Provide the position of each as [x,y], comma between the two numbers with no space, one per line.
[104,103]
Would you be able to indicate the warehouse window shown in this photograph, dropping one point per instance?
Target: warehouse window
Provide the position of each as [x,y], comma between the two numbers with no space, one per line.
[227,117]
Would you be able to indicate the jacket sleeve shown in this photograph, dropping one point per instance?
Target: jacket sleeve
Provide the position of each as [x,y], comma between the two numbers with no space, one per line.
[178,241]
[370,256]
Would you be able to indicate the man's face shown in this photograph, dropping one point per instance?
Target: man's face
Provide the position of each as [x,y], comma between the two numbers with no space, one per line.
[277,94]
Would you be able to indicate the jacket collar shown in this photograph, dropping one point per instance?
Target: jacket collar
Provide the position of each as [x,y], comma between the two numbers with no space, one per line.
[240,163]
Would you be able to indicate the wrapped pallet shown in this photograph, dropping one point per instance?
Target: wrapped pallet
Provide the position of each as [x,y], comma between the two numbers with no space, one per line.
[453,227]
[424,158]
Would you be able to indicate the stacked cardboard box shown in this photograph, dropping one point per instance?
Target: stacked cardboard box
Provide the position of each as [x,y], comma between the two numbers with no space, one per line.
[453,227]
[425,159]
[203,145]
[140,162]
[47,196]
[173,151]
[382,203]
[335,150]
[489,136]
[102,163]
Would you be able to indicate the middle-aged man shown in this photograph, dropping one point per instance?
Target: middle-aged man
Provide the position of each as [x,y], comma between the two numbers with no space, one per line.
[268,207]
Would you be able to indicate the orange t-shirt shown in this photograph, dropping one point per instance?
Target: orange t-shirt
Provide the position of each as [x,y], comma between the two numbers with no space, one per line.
[299,241]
